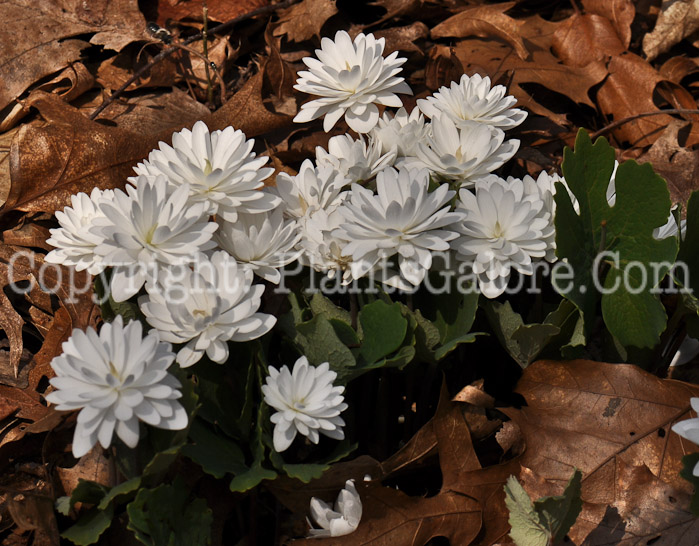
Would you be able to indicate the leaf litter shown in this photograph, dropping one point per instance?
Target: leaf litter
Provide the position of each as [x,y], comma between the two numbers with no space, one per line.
[589,63]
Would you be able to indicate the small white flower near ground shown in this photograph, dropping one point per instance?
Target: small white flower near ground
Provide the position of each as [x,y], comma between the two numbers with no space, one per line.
[263,242]
[401,219]
[358,160]
[313,188]
[466,152]
[506,227]
[340,520]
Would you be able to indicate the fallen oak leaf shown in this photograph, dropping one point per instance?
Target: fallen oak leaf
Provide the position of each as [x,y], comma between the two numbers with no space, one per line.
[581,39]
[246,111]
[403,38]
[628,91]
[221,10]
[69,154]
[487,21]
[677,164]
[304,20]
[620,12]
[676,21]
[596,417]
[44,28]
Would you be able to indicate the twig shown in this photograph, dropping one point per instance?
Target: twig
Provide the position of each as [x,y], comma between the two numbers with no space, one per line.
[170,50]
[205,43]
[624,121]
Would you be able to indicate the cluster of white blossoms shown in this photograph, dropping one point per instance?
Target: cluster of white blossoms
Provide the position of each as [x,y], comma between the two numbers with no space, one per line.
[191,240]
[392,200]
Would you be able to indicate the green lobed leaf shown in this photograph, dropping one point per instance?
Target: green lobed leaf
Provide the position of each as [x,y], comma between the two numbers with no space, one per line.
[384,329]
[120,493]
[216,454]
[451,312]
[560,512]
[522,341]
[527,529]
[546,520]
[164,516]
[88,529]
[320,343]
[642,204]
[251,478]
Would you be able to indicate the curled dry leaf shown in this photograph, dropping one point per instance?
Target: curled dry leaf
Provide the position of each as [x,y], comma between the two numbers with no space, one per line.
[677,164]
[487,21]
[247,112]
[629,91]
[582,39]
[403,38]
[155,113]
[35,39]
[620,12]
[304,20]
[71,83]
[598,417]
[442,67]
[397,8]
[677,20]
[115,71]
[68,155]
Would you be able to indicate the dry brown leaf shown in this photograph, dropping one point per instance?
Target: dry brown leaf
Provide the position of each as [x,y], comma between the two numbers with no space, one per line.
[34,43]
[71,83]
[304,20]
[677,164]
[247,112]
[652,512]
[597,417]
[219,10]
[5,145]
[67,155]
[442,67]
[154,113]
[397,8]
[403,38]
[581,39]
[114,72]
[488,21]
[677,68]
[20,267]
[221,52]
[629,91]
[620,12]
[498,61]
[677,20]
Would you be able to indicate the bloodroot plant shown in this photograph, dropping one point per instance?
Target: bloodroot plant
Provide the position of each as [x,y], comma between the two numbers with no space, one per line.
[272,326]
